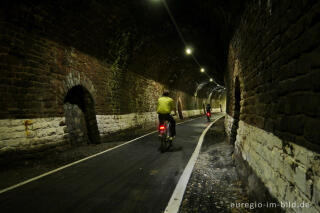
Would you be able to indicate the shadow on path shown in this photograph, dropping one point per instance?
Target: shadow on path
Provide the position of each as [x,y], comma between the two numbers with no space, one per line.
[175,148]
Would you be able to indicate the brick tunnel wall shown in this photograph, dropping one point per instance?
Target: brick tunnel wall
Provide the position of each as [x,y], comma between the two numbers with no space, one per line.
[218,101]
[36,74]
[273,74]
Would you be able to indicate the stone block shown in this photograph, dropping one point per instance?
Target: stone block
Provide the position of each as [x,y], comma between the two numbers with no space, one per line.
[277,160]
[18,128]
[273,142]
[15,135]
[301,181]
[316,192]
[15,122]
[288,168]
[4,136]
[301,154]
[263,152]
[290,194]
[40,125]
[3,122]
[60,131]
[281,185]
[14,143]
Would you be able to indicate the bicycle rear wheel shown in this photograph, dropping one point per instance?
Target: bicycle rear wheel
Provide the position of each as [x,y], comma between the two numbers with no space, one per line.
[169,134]
[163,141]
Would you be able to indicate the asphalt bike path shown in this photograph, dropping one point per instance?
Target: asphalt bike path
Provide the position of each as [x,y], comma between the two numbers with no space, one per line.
[133,178]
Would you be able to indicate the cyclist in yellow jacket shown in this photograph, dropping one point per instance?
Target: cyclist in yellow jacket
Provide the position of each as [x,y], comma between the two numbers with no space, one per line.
[164,108]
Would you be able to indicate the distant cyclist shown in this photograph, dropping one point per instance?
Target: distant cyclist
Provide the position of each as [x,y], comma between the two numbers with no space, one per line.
[164,108]
[208,108]
[208,112]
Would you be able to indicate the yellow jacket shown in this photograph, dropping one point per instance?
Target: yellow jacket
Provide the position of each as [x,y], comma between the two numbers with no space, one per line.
[165,105]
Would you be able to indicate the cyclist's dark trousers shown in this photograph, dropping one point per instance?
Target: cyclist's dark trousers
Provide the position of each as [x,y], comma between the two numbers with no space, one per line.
[168,117]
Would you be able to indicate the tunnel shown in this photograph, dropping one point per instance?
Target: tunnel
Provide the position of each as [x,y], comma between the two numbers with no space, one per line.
[85,77]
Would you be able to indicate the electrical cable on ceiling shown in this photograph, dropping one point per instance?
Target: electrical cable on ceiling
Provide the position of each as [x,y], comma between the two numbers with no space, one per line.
[184,41]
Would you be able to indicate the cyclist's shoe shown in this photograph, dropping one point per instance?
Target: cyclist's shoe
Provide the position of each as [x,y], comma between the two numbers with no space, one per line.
[171,138]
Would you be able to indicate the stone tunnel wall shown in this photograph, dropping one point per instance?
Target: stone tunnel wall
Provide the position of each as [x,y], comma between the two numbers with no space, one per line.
[218,101]
[274,57]
[32,115]
[36,75]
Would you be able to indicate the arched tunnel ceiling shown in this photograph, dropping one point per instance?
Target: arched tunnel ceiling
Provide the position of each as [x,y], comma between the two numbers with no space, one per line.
[139,35]
[206,26]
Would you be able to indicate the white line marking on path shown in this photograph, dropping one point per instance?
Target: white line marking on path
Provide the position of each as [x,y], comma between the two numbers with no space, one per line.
[177,195]
[79,161]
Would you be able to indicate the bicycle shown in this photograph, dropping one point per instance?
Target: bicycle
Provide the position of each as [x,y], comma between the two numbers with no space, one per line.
[208,114]
[164,135]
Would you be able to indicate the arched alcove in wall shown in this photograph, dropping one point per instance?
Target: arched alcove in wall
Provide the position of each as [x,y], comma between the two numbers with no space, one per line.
[236,111]
[80,116]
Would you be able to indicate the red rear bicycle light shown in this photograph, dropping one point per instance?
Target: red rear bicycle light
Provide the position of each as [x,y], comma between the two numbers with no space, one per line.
[208,113]
[162,127]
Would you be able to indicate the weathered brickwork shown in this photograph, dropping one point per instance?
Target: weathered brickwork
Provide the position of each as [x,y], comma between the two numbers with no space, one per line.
[33,134]
[218,101]
[57,71]
[274,57]
[39,134]
[112,99]
[278,69]
[109,124]
[289,171]
[228,121]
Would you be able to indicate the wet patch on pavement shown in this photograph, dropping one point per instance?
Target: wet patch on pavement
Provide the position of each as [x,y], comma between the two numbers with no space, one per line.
[214,185]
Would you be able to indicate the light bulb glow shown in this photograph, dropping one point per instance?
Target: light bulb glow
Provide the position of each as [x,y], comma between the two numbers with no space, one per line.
[211,79]
[188,51]
[201,70]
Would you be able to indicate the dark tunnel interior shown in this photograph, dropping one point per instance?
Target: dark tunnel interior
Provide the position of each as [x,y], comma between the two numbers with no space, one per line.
[85,73]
